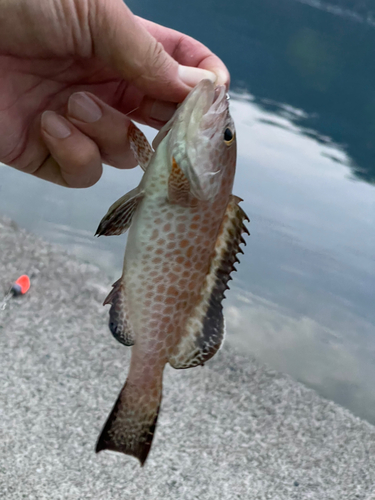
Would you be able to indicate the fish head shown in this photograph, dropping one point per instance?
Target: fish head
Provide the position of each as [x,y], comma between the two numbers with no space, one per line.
[201,139]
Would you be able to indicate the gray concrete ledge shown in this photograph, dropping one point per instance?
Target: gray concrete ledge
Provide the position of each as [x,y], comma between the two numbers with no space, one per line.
[231,430]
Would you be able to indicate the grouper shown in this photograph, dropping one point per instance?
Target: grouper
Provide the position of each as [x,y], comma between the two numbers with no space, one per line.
[185,230]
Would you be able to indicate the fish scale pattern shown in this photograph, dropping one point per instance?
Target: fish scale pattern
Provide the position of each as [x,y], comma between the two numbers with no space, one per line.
[165,274]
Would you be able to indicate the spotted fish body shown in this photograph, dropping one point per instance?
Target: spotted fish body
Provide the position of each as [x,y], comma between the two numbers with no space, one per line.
[185,229]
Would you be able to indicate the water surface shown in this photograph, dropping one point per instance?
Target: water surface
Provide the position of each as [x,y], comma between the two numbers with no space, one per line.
[303,100]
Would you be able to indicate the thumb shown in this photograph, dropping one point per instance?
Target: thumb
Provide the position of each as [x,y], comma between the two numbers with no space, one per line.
[122,41]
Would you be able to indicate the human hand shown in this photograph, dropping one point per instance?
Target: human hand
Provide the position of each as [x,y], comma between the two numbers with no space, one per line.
[53,51]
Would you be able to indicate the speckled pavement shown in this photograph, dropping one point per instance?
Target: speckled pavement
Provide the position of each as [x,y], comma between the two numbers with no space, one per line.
[230,430]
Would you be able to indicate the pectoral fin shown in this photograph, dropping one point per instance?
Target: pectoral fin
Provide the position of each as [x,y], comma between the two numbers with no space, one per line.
[119,216]
[179,188]
[140,146]
[204,330]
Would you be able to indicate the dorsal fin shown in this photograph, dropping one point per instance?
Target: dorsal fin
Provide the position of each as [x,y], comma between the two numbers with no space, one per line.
[118,323]
[140,146]
[204,330]
[119,216]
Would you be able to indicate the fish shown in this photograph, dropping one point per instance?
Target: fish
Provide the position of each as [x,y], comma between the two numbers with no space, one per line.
[185,231]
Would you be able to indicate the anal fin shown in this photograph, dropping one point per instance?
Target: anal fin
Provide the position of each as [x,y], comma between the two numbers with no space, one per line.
[204,330]
[118,323]
[119,216]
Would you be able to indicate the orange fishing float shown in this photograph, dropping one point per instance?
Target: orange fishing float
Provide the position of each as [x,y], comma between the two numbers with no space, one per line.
[21,286]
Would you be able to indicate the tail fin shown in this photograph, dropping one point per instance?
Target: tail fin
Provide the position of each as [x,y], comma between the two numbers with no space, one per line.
[131,424]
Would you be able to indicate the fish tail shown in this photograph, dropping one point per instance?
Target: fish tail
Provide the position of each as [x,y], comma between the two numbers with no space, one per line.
[131,424]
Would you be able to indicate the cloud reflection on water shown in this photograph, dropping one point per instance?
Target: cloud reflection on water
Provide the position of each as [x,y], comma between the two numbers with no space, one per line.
[355,11]
[308,277]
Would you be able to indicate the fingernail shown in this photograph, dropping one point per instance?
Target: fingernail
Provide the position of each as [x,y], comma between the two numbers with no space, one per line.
[222,77]
[192,76]
[55,125]
[83,108]
[162,111]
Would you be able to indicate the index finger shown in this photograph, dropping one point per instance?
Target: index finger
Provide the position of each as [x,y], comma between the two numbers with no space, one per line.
[188,51]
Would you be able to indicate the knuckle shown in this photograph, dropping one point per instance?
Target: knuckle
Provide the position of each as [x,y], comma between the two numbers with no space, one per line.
[158,61]
[85,156]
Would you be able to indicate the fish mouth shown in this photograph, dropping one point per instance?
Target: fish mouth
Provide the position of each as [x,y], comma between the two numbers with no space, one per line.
[204,99]
[204,105]
[197,123]
[204,121]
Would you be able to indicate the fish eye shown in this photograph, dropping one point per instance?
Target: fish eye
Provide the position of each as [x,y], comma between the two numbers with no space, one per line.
[228,136]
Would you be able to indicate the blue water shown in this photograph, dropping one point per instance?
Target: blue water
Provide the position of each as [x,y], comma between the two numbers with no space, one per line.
[303,100]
